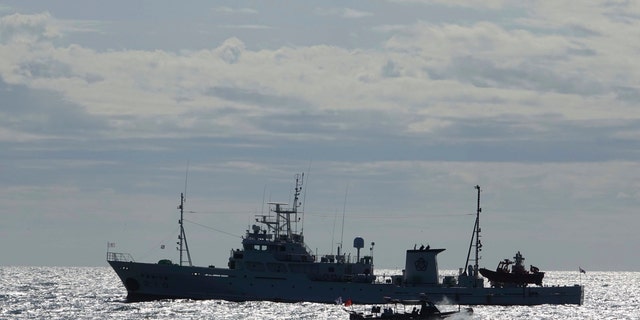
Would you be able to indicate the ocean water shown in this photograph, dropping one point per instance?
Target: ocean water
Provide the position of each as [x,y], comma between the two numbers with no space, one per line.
[97,293]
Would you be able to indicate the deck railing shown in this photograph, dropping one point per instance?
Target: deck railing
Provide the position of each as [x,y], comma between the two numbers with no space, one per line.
[121,257]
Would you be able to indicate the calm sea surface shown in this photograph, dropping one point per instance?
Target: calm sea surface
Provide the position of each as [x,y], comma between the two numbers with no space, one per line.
[96,293]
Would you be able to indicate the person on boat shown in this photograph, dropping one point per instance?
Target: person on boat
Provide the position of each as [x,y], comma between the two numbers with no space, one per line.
[427,308]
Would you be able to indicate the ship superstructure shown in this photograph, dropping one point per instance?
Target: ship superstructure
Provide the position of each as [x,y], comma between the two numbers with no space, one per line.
[274,245]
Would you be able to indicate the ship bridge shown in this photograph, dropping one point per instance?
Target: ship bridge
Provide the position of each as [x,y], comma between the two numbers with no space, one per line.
[275,236]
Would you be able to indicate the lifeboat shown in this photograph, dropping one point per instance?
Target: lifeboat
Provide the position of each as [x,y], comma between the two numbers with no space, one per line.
[506,274]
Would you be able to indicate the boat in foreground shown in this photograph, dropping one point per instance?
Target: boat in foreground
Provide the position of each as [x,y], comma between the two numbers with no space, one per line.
[426,311]
[275,264]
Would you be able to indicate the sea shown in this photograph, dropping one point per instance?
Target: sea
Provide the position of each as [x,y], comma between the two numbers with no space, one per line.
[97,293]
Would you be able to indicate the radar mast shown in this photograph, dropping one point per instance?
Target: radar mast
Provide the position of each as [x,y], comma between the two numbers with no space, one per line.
[182,238]
[475,235]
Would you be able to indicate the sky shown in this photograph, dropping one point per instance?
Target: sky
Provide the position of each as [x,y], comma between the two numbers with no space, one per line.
[394,110]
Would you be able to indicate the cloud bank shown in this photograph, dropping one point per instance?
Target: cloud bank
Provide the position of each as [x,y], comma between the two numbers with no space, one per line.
[531,100]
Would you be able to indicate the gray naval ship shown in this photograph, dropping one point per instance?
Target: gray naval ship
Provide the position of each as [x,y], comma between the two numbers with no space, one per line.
[275,264]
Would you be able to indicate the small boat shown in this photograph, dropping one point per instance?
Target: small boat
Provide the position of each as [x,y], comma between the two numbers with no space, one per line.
[517,276]
[426,310]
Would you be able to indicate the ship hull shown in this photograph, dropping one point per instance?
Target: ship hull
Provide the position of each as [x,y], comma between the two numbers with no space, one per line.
[147,281]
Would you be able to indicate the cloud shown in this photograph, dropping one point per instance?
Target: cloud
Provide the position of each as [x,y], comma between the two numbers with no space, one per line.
[347,13]
[355,14]
[492,4]
[5,9]
[246,26]
[231,50]
[390,70]
[46,68]
[411,111]
[29,114]
[27,28]
[483,39]
[257,98]
[433,80]
[229,10]
[527,76]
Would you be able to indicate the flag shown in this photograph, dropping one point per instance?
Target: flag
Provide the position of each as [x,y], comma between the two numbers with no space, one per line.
[111,244]
[348,303]
[582,270]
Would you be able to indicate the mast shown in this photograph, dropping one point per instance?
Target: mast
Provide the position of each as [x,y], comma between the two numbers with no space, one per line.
[477,228]
[282,226]
[475,235]
[296,198]
[183,236]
